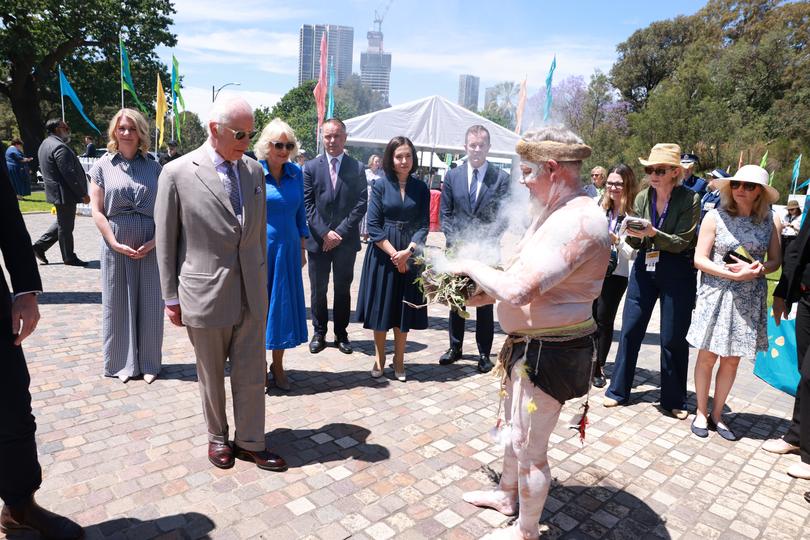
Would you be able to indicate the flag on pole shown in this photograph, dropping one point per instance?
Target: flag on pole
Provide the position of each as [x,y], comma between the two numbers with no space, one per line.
[796,166]
[330,109]
[547,110]
[764,161]
[66,90]
[521,105]
[320,88]
[126,76]
[176,95]
[739,163]
[160,111]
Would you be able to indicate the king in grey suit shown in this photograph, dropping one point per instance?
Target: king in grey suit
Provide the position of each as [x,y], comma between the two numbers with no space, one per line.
[471,197]
[210,232]
[65,187]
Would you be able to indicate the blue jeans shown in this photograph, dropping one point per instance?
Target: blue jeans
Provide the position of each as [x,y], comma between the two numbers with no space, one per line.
[673,283]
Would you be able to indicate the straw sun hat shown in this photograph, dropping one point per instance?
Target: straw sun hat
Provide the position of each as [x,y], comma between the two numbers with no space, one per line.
[663,154]
[752,174]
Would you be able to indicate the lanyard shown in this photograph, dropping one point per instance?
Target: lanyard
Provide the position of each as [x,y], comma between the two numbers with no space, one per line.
[613,221]
[653,213]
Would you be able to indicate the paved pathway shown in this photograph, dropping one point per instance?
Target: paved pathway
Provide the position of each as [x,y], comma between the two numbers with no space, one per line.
[376,459]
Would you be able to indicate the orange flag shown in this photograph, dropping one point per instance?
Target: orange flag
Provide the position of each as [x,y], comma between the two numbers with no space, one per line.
[520,106]
[323,83]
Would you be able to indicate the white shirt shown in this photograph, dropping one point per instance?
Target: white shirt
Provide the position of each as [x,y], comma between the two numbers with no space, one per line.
[337,165]
[482,171]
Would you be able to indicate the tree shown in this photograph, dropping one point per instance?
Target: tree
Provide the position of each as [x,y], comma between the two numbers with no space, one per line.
[192,132]
[494,114]
[82,36]
[357,98]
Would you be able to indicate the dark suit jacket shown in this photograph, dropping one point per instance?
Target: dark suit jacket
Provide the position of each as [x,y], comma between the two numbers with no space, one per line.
[15,244]
[89,151]
[797,257]
[456,213]
[339,209]
[64,177]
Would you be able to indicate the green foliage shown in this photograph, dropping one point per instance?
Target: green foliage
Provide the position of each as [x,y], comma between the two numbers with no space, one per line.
[494,114]
[192,132]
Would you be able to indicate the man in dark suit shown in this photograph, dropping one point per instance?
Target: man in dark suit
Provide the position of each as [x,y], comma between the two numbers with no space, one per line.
[335,198]
[171,153]
[794,287]
[20,473]
[90,148]
[471,197]
[65,187]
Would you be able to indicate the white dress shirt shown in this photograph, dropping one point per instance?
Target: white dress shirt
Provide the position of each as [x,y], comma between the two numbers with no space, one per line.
[482,170]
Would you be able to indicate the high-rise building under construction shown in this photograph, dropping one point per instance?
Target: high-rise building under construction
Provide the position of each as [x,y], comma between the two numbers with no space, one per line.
[375,65]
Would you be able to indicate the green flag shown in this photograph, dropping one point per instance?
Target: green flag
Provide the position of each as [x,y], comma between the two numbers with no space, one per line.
[764,161]
[126,77]
[176,95]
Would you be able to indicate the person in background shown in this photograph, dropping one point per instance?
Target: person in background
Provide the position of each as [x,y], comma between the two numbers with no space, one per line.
[621,189]
[730,320]
[286,255]
[690,162]
[301,158]
[435,203]
[598,178]
[17,165]
[711,200]
[90,147]
[790,223]
[663,269]
[398,219]
[372,175]
[171,153]
[65,187]
[123,188]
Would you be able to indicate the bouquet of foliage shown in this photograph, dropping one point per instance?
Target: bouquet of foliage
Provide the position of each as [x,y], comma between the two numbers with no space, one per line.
[444,288]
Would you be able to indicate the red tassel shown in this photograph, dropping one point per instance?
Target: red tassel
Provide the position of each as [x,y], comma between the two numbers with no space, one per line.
[583,422]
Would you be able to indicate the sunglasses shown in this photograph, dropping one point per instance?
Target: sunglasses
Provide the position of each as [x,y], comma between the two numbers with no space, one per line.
[658,171]
[618,185]
[238,134]
[747,186]
[278,145]
[595,175]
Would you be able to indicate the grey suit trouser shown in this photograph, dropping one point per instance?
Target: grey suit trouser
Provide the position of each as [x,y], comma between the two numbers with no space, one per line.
[243,345]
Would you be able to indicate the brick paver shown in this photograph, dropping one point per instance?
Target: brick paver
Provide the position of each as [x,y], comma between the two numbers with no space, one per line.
[376,458]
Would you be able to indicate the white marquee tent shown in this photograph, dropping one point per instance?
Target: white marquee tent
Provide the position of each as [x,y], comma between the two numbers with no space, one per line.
[433,123]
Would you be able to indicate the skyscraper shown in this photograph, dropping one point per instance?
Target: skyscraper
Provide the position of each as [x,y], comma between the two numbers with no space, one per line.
[490,96]
[339,43]
[375,65]
[468,91]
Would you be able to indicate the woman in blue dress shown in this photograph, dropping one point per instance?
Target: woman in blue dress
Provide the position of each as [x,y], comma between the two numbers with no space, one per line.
[286,231]
[398,216]
[17,165]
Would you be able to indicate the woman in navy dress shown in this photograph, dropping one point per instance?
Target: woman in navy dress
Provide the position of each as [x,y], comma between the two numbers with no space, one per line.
[286,231]
[17,165]
[398,215]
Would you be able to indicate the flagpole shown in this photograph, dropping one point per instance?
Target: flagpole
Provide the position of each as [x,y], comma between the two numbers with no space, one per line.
[121,68]
[62,92]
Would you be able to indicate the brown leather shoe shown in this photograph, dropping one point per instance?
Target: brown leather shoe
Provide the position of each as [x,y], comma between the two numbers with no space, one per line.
[31,516]
[220,455]
[263,459]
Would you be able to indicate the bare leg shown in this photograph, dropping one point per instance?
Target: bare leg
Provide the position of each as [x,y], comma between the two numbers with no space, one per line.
[400,340]
[277,367]
[379,346]
[703,381]
[726,374]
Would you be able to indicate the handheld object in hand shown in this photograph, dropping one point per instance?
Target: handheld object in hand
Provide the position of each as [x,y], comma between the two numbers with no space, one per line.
[739,254]
[636,224]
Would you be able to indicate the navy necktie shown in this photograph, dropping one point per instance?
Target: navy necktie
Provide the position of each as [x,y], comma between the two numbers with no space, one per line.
[232,189]
[473,189]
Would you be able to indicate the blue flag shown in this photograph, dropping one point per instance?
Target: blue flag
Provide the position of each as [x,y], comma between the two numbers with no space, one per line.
[796,166]
[66,90]
[549,78]
[330,108]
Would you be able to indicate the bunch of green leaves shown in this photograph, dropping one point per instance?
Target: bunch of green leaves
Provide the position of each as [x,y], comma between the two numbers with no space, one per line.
[444,288]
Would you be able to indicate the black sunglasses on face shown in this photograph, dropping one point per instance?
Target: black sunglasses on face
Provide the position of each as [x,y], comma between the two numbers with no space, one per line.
[282,145]
[615,184]
[747,186]
[238,134]
[657,171]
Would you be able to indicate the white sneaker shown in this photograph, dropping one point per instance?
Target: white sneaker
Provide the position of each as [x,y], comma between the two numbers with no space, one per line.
[779,446]
[609,402]
[799,470]
[149,378]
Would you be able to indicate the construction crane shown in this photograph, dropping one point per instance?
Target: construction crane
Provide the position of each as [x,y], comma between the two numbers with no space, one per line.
[380,15]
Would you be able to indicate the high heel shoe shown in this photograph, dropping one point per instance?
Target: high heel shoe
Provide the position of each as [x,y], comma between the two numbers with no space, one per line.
[375,372]
[400,375]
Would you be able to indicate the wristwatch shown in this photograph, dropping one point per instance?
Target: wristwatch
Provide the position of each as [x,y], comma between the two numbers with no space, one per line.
[411,249]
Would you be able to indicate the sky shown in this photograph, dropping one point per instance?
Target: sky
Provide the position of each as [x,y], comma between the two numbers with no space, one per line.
[255,42]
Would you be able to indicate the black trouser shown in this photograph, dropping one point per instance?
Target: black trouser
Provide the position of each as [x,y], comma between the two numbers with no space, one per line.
[339,260]
[20,474]
[798,435]
[786,240]
[604,312]
[61,230]
[484,328]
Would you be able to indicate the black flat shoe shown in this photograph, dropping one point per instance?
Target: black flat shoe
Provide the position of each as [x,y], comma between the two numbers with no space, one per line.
[599,381]
[40,255]
[701,432]
[807,496]
[344,346]
[484,364]
[727,434]
[450,356]
[76,262]
[317,344]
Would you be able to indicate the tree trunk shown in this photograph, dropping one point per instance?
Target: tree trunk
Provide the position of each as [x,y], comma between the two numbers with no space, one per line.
[25,105]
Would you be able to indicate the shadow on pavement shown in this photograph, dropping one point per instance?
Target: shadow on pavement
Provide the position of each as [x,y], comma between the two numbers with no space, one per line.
[756,426]
[331,442]
[189,526]
[69,298]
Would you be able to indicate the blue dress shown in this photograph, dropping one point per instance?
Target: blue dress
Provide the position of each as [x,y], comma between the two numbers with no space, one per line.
[286,225]
[382,287]
[18,171]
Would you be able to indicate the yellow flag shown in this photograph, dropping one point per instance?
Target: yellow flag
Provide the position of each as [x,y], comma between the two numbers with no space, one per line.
[160,111]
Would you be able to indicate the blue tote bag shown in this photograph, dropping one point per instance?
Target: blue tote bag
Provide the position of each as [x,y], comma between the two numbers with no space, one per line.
[779,366]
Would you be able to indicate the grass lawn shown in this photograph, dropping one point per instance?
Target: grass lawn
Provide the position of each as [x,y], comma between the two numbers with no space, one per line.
[35,203]
[773,279]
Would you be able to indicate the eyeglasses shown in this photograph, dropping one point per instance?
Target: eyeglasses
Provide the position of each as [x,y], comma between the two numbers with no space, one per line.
[617,185]
[278,145]
[658,171]
[747,186]
[239,134]
[595,175]
[124,129]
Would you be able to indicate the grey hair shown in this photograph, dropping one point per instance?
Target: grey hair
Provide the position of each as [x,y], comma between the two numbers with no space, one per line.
[557,133]
[272,132]
[226,108]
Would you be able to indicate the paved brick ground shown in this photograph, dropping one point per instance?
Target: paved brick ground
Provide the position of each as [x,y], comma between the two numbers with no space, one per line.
[376,459]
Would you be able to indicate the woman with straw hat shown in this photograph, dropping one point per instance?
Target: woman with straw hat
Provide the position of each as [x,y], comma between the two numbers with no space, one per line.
[790,223]
[665,238]
[730,313]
